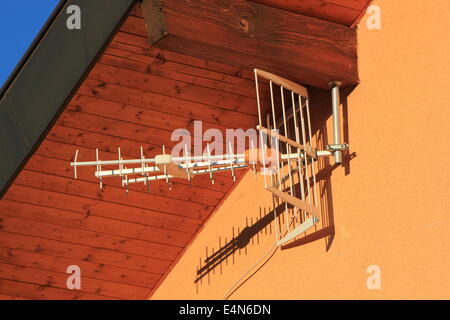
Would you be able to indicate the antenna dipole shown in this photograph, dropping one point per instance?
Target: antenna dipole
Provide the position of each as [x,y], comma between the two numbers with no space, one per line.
[166,167]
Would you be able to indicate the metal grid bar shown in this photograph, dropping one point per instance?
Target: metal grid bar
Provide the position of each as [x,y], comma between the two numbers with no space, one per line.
[260,123]
[312,163]
[297,139]
[279,166]
[308,194]
[304,158]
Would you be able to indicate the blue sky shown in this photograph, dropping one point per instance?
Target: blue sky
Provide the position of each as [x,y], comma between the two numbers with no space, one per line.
[20,22]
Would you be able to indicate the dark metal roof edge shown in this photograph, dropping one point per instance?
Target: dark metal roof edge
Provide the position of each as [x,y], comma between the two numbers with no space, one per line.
[22,65]
[32,47]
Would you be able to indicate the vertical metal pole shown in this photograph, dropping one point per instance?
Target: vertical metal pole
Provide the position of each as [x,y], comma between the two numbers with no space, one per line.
[336,119]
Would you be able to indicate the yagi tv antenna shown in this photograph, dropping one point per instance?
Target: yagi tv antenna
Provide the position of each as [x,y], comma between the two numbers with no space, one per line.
[287,165]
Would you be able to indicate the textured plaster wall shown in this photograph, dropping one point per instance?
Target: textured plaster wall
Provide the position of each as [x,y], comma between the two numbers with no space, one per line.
[388,206]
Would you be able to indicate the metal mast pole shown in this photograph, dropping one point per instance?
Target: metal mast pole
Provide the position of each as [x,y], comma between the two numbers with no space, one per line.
[336,119]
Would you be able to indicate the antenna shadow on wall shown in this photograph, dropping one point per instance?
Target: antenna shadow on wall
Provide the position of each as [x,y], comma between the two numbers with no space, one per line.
[238,243]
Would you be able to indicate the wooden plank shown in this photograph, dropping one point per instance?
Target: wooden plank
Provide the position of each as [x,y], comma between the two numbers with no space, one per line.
[23,290]
[328,10]
[79,252]
[296,202]
[69,139]
[170,105]
[99,208]
[172,88]
[58,280]
[139,44]
[90,270]
[93,223]
[89,238]
[113,194]
[138,115]
[142,217]
[133,131]
[115,57]
[5,297]
[179,65]
[355,4]
[116,128]
[307,50]
[135,120]
[91,190]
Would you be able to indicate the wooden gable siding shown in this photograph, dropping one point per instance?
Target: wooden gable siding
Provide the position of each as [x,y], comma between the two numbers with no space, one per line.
[124,244]
[346,12]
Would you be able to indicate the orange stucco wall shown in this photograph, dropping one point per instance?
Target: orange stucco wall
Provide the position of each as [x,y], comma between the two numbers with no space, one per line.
[388,206]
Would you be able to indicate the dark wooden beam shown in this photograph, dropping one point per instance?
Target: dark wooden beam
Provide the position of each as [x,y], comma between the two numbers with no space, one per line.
[154,20]
[249,35]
